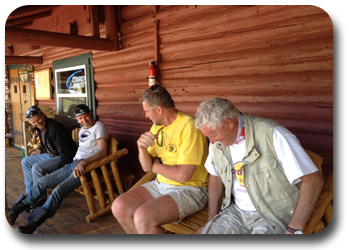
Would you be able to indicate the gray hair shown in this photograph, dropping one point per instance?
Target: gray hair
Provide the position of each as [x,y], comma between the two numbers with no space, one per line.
[157,96]
[210,113]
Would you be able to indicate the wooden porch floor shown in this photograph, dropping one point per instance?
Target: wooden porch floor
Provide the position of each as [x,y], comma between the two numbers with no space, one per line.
[70,217]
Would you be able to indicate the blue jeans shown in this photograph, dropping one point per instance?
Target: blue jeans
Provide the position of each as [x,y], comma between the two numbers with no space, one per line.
[36,166]
[62,178]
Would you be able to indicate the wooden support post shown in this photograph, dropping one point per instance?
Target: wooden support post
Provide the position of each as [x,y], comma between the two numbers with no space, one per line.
[120,19]
[112,25]
[156,47]
[155,9]
[117,177]
[108,182]
[95,21]
[88,195]
[23,60]
[27,36]
[100,195]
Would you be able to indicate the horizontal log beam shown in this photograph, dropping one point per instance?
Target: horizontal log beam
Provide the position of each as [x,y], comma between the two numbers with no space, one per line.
[23,24]
[37,37]
[27,19]
[23,60]
[30,10]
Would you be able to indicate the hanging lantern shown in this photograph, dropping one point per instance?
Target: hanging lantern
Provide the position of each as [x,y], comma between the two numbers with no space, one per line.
[25,72]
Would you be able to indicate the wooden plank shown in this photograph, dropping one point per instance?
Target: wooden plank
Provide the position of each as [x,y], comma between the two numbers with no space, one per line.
[190,224]
[200,215]
[195,219]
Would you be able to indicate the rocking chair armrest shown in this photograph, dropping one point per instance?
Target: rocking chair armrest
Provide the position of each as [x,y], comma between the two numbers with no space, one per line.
[105,160]
[146,178]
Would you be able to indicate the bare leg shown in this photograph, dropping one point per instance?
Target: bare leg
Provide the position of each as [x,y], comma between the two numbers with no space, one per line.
[124,207]
[151,215]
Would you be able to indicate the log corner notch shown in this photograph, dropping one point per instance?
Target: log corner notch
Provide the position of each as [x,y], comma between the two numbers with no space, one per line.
[26,36]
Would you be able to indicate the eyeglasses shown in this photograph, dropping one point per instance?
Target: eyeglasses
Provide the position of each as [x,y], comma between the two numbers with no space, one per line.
[159,134]
[32,111]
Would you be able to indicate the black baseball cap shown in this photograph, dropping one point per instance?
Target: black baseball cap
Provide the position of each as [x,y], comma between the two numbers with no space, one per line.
[81,109]
[33,111]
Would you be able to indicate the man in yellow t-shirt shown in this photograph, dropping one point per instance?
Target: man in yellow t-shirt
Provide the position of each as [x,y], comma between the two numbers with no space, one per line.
[176,151]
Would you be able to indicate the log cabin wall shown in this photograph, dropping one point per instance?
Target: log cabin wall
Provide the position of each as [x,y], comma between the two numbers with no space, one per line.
[270,61]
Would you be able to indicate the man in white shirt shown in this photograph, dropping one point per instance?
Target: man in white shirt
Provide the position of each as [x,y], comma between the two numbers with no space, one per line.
[271,185]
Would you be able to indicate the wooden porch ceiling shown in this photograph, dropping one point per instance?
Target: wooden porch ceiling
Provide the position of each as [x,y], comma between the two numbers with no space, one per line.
[70,217]
[25,15]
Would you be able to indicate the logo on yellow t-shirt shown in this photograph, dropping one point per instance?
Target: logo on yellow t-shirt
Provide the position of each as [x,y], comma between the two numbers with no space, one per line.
[238,173]
[171,148]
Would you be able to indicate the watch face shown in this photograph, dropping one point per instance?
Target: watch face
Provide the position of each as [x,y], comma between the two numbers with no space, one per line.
[298,232]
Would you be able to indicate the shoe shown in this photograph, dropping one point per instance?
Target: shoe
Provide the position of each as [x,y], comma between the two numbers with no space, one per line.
[35,205]
[37,217]
[17,208]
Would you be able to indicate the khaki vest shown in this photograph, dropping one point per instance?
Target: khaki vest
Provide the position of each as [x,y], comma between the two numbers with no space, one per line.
[267,185]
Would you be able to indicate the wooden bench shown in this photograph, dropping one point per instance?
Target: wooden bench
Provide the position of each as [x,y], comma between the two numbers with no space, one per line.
[319,219]
[106,187]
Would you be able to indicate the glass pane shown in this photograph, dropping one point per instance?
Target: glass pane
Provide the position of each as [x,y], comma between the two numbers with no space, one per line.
[68,104]
[71,81]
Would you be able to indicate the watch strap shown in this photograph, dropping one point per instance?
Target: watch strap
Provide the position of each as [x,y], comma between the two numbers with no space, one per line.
[292,230]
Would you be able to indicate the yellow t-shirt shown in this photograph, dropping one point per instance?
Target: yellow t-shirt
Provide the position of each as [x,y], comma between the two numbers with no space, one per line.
[183,144]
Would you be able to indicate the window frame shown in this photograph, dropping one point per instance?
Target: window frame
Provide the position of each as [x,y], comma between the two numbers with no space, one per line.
[72,63]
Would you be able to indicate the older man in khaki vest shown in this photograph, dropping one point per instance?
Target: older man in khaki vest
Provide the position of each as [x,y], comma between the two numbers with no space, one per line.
[271,184]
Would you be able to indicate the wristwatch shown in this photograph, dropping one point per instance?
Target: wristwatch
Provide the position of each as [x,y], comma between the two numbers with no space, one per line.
[294,231]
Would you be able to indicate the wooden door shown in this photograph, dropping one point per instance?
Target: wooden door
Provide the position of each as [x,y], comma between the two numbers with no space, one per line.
[25,98]
[22,97]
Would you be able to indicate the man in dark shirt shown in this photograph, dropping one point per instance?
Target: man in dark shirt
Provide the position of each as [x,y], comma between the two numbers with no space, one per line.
[60,150]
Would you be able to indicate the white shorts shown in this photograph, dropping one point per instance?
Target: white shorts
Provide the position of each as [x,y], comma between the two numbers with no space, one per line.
[233,220]
[188,199]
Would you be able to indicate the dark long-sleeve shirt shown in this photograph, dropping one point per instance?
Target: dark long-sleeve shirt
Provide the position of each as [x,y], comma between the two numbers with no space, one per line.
[58,141]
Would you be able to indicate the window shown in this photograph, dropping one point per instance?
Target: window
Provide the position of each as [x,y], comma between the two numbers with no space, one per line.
[74,84]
